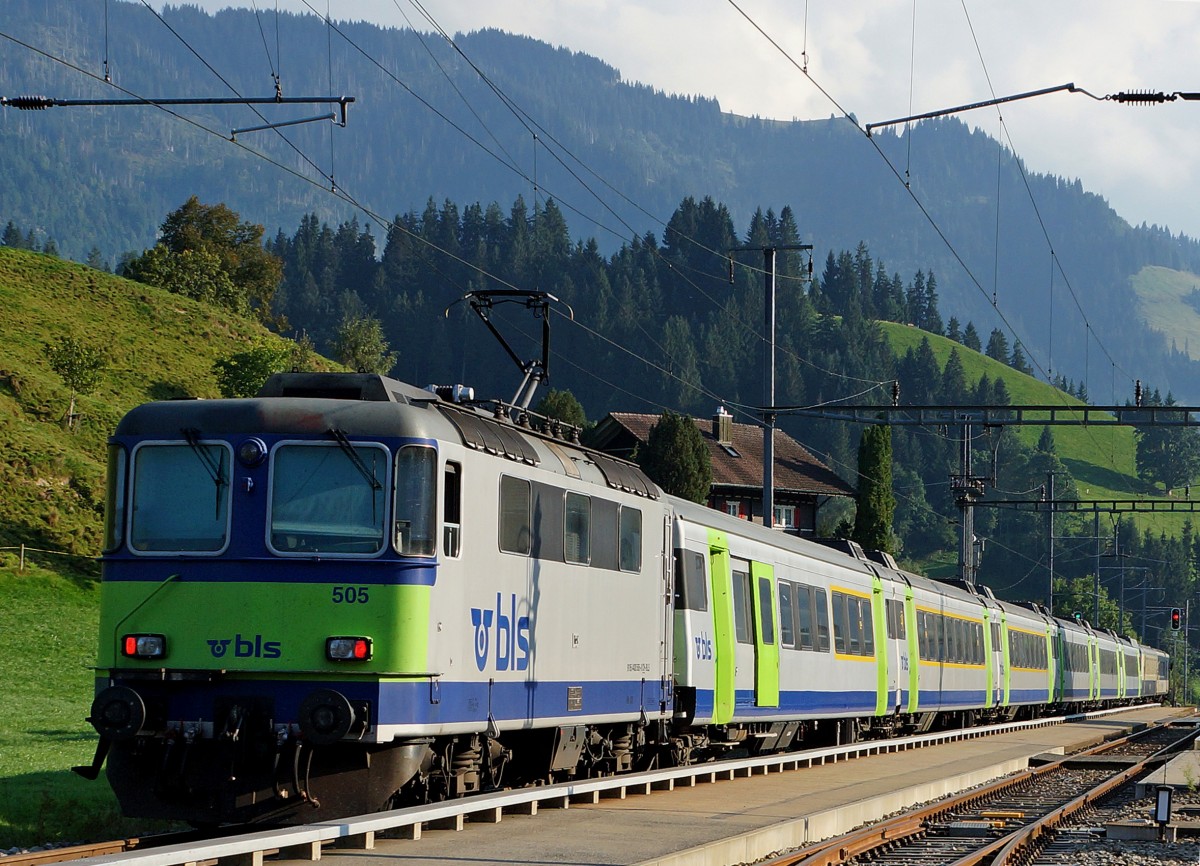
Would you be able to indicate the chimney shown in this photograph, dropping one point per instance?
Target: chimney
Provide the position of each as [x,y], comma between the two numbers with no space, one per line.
[722,427]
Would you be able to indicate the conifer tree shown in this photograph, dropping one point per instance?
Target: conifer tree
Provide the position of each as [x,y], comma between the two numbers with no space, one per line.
[676,458]
[876,500]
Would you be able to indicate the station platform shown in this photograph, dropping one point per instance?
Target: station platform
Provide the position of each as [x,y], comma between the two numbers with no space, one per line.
[742,820]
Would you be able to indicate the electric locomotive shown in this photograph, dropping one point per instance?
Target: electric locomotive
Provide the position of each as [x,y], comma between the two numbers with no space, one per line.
[348,588]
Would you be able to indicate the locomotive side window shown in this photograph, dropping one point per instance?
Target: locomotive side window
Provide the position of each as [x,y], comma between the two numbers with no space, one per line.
[416,501]
[514,515]
[742,622]
[114,499]
[180,498]
[452,510]
[328,498]
[577,544]
[631,541]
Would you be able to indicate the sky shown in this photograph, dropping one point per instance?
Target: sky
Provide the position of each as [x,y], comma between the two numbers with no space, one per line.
[886,59]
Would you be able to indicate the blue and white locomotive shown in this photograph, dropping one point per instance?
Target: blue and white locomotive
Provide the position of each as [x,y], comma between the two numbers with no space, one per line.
[350,593]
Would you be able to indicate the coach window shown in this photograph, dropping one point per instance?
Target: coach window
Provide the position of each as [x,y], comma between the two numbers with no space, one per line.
[743,627]
[868,627]
[839,623]
[328,498]
[854,626]
[180,498]
[804,612]
[787,633]
[416,501]
[114,499]
[631,541]
[577,544]
[689,581]
[452,510]
[821,607]
[514,515]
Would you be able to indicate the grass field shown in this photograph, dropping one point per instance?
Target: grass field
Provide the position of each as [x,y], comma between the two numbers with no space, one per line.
[47,647]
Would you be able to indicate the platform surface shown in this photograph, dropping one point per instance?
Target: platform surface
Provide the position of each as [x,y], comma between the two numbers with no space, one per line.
[695,825]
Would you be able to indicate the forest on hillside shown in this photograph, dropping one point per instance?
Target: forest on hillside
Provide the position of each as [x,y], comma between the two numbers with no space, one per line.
[616,156]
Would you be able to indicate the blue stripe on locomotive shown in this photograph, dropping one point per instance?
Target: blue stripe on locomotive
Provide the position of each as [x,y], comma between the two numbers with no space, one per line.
[412,702]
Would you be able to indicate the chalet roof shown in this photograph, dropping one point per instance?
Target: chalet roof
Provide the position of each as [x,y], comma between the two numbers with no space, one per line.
[796,469]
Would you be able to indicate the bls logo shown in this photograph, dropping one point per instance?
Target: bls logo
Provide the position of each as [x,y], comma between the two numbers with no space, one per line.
[512,635]
[244,648]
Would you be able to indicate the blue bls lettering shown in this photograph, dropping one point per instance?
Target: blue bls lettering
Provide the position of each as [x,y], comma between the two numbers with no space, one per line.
[511,635]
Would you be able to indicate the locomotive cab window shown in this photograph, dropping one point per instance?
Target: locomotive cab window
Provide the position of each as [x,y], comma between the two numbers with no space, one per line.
[328,498]
[416,501]
[180,500]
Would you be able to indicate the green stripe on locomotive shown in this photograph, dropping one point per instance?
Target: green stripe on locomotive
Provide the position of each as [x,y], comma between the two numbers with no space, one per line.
[266,627]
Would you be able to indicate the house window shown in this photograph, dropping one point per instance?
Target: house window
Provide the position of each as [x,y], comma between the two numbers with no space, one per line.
[785,516]
[733,507]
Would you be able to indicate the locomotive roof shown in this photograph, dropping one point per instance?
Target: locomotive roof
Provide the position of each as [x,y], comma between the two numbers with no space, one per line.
[363,405]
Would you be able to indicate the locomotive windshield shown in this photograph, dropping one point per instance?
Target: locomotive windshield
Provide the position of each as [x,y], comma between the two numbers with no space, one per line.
[328,498]
[180,498]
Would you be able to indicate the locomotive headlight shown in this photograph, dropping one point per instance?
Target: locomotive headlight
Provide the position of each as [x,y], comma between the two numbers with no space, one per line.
[252,452]
[348,649]
[144,646]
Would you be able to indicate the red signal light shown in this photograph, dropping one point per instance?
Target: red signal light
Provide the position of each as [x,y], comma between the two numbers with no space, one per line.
[1176,619]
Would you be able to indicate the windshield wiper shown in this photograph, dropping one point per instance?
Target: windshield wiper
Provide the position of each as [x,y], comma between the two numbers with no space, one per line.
[352,454]
[213,468]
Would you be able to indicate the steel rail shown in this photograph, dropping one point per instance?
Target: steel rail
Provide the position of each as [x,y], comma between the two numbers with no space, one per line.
[1021,839]
[841,849]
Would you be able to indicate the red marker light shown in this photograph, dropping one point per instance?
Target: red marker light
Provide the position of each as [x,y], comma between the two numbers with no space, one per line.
[144,646]
[348,649]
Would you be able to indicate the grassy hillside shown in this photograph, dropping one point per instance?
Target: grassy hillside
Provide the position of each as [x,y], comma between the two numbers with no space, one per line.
[1169,302]
[157,345]
[1100,459]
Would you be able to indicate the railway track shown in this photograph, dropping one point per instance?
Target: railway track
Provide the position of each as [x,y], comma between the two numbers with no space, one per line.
[1007,822]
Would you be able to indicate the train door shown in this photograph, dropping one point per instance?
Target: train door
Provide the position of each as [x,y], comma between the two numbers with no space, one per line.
[897,646]
[885,673]
[913,657]
[996,658]
[724,638]
[766,639]
[745,656]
